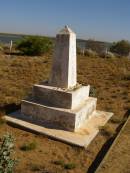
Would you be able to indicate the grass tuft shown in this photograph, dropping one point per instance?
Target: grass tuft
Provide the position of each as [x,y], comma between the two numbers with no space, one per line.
[28,147]
[59,162]
[69,166]
[36,168]
[107,130]
[2,121]
[65,165]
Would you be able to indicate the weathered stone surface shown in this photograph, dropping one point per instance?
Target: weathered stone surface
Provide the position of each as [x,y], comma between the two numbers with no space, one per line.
[64,74]
[69,119]
[55,97]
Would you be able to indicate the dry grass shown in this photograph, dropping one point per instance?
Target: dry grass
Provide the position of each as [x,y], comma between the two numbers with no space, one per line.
[118,158]
[18,74]
[107,130]
[108,77]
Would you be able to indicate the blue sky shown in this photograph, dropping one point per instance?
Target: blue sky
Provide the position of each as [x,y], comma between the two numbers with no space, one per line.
[107,20]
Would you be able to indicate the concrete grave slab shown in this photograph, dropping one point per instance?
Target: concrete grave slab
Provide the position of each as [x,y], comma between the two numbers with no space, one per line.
[82,137]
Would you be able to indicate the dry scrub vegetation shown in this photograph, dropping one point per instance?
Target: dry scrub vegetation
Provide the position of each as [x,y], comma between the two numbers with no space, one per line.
[18,74]
[110,80]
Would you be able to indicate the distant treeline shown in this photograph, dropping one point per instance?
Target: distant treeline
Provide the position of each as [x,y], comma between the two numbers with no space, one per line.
[7,37]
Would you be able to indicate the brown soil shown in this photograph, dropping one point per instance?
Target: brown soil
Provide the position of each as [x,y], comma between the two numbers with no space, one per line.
[118,158]
[110,79]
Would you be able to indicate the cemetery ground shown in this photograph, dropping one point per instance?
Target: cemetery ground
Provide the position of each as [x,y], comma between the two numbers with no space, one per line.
[110,83]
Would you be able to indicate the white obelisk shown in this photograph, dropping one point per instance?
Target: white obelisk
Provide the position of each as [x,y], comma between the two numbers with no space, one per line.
[64,68]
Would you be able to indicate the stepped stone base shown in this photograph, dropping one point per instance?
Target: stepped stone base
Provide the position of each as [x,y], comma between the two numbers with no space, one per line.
[61,98]
[67,115]
[81,137]
[67,119]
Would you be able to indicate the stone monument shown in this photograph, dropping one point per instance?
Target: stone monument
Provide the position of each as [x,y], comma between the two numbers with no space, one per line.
[64,69]
[61,102]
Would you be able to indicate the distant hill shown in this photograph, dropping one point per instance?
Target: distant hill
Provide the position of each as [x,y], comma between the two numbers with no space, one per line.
[6,38]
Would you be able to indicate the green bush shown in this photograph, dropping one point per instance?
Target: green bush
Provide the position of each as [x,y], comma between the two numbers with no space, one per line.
[95,46]
[121,48]
[34,45]
[6,149]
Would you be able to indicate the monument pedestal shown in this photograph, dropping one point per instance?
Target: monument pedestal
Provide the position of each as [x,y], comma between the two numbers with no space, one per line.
[65,109]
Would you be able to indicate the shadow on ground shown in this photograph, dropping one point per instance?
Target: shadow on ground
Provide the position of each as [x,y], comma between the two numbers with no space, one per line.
[100,156]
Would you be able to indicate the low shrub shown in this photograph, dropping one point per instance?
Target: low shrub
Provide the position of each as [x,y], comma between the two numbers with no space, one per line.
[59,162]
[107,55]
[35,168]
[121,47]
[6,149]
[34,45]
[28,147]
[65,165]
[90,53]
[69,166]
[93,91]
